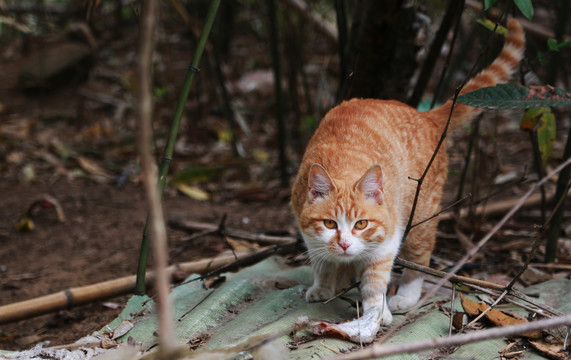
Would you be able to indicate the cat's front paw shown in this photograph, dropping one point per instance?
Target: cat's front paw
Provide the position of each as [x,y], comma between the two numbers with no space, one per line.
[318,293]
[400,302]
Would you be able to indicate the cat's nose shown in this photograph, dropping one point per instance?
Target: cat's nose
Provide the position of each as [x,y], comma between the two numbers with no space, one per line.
[344,245]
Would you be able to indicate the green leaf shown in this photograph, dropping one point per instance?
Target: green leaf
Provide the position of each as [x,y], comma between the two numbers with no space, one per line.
[488,4]
[542,120]
[554,46]
[526,8]
[196,173]
[512,96]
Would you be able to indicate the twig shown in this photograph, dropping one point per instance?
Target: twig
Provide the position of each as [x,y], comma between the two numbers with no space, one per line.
[452,298]
[211,228]
[343,292]
[429,165]
[248,259]
[379,350]
[442,211]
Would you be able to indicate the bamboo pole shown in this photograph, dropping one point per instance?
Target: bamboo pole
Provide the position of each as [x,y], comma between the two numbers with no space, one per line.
[104,290]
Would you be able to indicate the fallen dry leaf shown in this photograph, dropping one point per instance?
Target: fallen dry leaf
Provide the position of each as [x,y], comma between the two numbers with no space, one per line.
[93,168]
[551,350]
[192,191]
[472,308]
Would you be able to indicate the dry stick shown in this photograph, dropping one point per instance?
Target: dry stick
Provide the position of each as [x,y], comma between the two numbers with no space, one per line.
[451,310]
[474,250]
[379,350]
[89,293]
[262,238]
[156,217]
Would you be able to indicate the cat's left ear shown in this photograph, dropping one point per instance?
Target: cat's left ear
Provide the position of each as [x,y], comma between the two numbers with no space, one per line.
[371,184]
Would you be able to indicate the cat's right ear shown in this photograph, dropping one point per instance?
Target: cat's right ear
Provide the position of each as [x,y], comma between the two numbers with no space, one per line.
[319,183]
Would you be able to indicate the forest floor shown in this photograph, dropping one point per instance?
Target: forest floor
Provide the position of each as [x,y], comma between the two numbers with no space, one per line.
[63,143]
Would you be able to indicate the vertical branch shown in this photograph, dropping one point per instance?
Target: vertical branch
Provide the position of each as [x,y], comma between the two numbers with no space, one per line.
[281,133]
[449,56]
[340,12]
[169,149]
[560,25]
[144,140]
[473,138]
[538,167]
[560,194]
[454,9]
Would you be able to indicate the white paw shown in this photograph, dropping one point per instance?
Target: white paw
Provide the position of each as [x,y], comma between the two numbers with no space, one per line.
[400,302]
[318,293]
[365,328]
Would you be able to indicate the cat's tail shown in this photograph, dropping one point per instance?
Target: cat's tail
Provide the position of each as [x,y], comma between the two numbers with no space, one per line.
[499,71]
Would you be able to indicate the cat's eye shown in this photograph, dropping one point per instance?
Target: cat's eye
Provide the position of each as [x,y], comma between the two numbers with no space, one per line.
[361,224]
[330,224]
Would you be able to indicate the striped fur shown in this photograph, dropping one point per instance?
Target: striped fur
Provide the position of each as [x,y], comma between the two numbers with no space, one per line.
[352,195]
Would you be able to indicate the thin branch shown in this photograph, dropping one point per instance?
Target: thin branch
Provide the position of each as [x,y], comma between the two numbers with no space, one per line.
[429,165]
[379,350]
[343,292]
[211,228]
[442,211]
[452,298]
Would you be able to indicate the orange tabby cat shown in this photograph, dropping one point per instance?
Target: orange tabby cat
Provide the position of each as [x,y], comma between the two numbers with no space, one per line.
[352,196]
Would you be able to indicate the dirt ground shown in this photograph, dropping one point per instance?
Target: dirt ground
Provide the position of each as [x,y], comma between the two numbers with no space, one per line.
[63,143]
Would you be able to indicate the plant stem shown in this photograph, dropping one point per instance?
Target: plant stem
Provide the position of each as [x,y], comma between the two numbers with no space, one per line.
[560,194]
[168,152]
[281,131]
[453,10]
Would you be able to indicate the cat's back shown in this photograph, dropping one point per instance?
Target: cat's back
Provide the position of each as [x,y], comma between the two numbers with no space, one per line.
[371,121]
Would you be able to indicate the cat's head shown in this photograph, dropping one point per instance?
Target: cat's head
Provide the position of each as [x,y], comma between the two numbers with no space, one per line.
[342,221]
